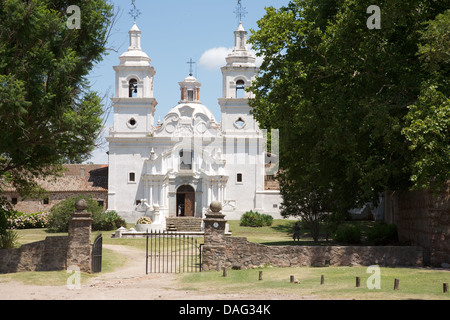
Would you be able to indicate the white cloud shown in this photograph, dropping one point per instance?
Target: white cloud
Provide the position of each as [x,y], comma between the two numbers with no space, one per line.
[214,58]
[259,60]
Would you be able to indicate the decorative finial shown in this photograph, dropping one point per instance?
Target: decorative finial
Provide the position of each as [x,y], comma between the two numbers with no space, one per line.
[240,11]
[81,205]
[190,68]
[135,12]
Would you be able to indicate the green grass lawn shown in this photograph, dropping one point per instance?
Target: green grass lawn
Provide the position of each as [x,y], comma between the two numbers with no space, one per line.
[280,233]
[340,283]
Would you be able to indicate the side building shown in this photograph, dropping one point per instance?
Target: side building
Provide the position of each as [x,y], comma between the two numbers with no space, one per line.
[90,180]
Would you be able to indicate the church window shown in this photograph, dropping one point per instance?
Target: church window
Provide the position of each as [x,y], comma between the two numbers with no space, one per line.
[46,201]
[240,123]
[240,89]
[132,88]
[190,95]
[132,177]
[239,177]
[186,157]
[132,123]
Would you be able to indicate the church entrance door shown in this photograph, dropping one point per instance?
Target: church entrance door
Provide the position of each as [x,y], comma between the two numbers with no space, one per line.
[185,201]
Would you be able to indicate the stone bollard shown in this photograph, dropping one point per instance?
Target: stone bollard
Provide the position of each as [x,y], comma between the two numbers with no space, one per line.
[79,251]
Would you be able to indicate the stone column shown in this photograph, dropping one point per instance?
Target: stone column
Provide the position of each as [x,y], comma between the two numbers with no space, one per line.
[79,246]
[214,224]
[214,250]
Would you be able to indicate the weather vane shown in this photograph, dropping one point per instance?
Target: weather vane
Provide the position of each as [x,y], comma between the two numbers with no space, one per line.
[240,11]
[190,68]
[135,12]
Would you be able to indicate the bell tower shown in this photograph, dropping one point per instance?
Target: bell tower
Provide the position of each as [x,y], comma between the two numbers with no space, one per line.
[134,104]
[243,149]
[238,74]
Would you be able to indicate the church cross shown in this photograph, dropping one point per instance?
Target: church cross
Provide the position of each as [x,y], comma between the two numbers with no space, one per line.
[190,67]
[240,11]
[135,12]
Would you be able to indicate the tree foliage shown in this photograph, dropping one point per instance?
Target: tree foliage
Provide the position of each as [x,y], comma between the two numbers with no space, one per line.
[48,114]
[349,101]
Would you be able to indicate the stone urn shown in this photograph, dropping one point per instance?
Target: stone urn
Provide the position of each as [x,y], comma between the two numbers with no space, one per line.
[143,227]
[143,224]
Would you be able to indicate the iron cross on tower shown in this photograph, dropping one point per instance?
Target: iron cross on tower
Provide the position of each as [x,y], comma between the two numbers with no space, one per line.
[190,67]
[240,11]
[135,12]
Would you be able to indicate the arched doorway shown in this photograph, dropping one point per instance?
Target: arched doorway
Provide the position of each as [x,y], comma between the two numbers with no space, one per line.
[185,201]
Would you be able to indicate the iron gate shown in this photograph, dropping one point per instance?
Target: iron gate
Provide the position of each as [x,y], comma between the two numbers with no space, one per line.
[97,254]
[172,252]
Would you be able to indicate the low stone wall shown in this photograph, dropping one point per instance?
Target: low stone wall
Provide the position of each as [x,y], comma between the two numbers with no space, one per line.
[46,255]
[238,253]
[54,253]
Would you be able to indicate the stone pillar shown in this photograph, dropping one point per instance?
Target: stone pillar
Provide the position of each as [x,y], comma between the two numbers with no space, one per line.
[79,247]
[214,249]
[214,224]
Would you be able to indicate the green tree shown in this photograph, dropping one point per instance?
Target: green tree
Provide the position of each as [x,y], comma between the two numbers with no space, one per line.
[48,114]
[339,93]
[427,127]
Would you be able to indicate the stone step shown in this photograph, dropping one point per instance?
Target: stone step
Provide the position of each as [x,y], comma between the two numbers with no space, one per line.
[184,224]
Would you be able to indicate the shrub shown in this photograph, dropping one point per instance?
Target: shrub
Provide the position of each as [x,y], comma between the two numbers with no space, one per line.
[348,233]
[28,221]
[105,221]
[58,220]
[382,234]
[8,239]
[255,219]
[6,212]
[267,219]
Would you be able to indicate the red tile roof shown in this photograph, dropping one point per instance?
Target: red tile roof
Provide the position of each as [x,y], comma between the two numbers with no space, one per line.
[76,178]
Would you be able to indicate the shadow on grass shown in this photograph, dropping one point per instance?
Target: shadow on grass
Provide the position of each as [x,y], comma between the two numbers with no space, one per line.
[285,227]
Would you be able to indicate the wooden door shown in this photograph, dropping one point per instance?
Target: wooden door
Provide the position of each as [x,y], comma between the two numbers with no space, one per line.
[189,204]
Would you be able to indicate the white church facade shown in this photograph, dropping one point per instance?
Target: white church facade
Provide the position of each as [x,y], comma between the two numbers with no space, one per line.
[176,167]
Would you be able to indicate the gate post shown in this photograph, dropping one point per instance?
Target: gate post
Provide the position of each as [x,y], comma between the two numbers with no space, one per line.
[79,244]
[214,224]
[214,247]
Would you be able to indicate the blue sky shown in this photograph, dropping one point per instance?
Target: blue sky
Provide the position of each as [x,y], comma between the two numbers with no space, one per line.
[173,31]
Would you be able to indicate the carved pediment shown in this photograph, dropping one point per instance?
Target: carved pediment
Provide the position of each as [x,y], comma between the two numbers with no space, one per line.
[188,120]
[186,111]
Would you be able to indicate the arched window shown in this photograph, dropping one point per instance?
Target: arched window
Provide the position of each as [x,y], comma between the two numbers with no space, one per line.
[190,95]
[240,89]
[132,88]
